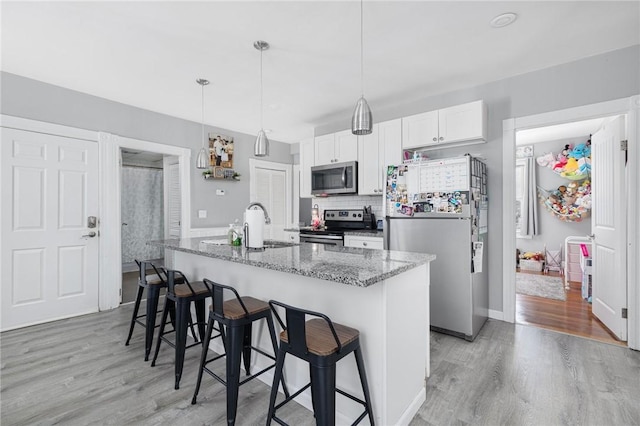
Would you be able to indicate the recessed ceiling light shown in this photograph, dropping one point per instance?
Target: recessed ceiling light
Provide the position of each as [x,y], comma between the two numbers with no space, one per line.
[503,20]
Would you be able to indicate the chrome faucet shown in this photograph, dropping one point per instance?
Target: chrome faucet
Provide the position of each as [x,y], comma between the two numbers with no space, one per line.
[267,219]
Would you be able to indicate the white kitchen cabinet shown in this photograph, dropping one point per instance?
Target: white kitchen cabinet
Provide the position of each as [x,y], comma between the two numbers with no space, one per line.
[460,123]
[376,151]
[292,237]
[420,130]
[336,148]
[307,160]
[358,241]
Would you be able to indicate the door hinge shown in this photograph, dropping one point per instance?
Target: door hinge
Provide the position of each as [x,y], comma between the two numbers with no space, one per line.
[623,145]
[624,313]
[120,292]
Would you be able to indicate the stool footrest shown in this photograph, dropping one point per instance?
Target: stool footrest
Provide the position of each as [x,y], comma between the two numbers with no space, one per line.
[293,395]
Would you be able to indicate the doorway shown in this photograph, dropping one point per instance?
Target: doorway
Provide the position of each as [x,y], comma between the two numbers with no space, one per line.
[144,213]
[553,225]
[271,185]
[627,279]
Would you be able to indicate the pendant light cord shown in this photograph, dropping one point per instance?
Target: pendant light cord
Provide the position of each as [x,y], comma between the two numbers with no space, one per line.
[202,116]
[361,49]
[261,94]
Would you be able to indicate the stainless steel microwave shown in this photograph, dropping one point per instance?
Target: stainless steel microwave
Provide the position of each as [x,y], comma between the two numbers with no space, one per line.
[337,178]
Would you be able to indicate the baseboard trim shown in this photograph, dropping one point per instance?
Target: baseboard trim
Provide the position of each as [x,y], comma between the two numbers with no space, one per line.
[497,315]
[413,408]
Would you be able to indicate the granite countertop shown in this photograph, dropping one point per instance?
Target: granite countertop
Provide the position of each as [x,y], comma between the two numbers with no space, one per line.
[353,266]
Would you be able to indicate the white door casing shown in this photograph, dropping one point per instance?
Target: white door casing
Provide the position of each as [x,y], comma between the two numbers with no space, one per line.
[172,195]
[271,185]
[608,227]
[50,188]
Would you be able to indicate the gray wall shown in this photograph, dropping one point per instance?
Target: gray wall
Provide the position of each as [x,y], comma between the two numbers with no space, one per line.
[609,76]
[27,98]
[552,230]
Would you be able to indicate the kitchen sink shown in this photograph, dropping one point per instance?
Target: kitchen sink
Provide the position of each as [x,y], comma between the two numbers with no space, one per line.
[278,244]
[267,243]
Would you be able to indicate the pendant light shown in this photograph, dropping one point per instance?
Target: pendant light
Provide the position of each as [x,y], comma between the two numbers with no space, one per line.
[203,156]
[261,147]
[362,121]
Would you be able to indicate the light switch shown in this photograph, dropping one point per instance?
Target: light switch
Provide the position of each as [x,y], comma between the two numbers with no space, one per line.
[219,191]
[202,214]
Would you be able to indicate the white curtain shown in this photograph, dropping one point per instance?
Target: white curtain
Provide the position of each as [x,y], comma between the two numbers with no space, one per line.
[142,212]
[526,198]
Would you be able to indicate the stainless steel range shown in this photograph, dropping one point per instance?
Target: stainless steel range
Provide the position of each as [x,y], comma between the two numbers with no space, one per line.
[336,222]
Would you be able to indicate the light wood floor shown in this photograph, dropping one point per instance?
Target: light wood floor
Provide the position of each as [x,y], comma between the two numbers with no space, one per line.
[78,372]
[572,316]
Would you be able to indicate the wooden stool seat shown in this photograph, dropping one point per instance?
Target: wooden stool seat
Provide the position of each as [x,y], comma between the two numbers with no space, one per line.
[183,290]
[233,309]
[319,338]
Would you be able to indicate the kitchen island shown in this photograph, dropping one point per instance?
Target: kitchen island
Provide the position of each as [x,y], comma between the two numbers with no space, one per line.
[384,294]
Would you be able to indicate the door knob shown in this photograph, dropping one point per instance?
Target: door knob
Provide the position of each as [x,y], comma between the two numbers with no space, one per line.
[90,235]
[124,223]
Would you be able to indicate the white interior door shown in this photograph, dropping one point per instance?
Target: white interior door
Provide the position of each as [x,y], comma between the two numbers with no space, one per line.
[608,224]
[271,185]
[49,189]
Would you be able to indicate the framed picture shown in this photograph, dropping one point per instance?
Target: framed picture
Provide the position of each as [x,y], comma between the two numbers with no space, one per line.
[220,151]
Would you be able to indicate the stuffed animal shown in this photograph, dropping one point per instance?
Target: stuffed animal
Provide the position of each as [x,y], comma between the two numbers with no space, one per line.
[560,164]
[571,166]
[565,152]
[547,160]
[581,150]
[584,165]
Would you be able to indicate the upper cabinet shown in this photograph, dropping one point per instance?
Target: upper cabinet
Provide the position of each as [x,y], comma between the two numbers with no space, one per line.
[460,123]
[336,148]
[307,155]
[376,151]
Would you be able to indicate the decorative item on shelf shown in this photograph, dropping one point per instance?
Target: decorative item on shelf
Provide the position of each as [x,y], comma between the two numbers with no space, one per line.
[569,203]
[220,173]
[202,160]
[261,147]
[362,120]
[531,261]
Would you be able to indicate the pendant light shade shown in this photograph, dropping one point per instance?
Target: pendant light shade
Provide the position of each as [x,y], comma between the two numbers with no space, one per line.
[261,147]
[362,119]
[202,162]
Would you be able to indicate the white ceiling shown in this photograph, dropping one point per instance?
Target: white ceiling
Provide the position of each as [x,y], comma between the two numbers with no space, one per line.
[149,54]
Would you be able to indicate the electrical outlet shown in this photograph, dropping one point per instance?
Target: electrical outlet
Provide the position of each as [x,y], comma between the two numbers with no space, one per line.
[219,191]
[202,214]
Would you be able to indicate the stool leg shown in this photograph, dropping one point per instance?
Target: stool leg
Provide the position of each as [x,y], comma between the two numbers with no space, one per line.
[324,389]
[201,319]
[135,313]
[168,305]
[277,377]
[246,349]
[274,342]
[234,355]
[365,384]
[153,294]
[182,320]
[203,357]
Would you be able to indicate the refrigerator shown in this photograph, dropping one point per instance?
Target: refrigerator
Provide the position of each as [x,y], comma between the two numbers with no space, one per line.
[440,207]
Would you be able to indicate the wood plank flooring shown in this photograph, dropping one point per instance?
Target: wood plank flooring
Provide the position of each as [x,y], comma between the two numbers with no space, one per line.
[78,372]
[572,316]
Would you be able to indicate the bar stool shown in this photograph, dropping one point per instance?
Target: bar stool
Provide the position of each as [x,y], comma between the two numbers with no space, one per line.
[153,284]
[237,315]
[180,296]
[322,343]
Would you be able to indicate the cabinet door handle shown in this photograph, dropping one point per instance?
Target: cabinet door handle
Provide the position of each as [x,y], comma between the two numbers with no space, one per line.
[364,243]
[441,138]
[435,139]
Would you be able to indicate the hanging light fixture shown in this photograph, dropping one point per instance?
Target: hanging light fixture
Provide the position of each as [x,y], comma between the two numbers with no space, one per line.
[261,147]
[362,120]
[203,156]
